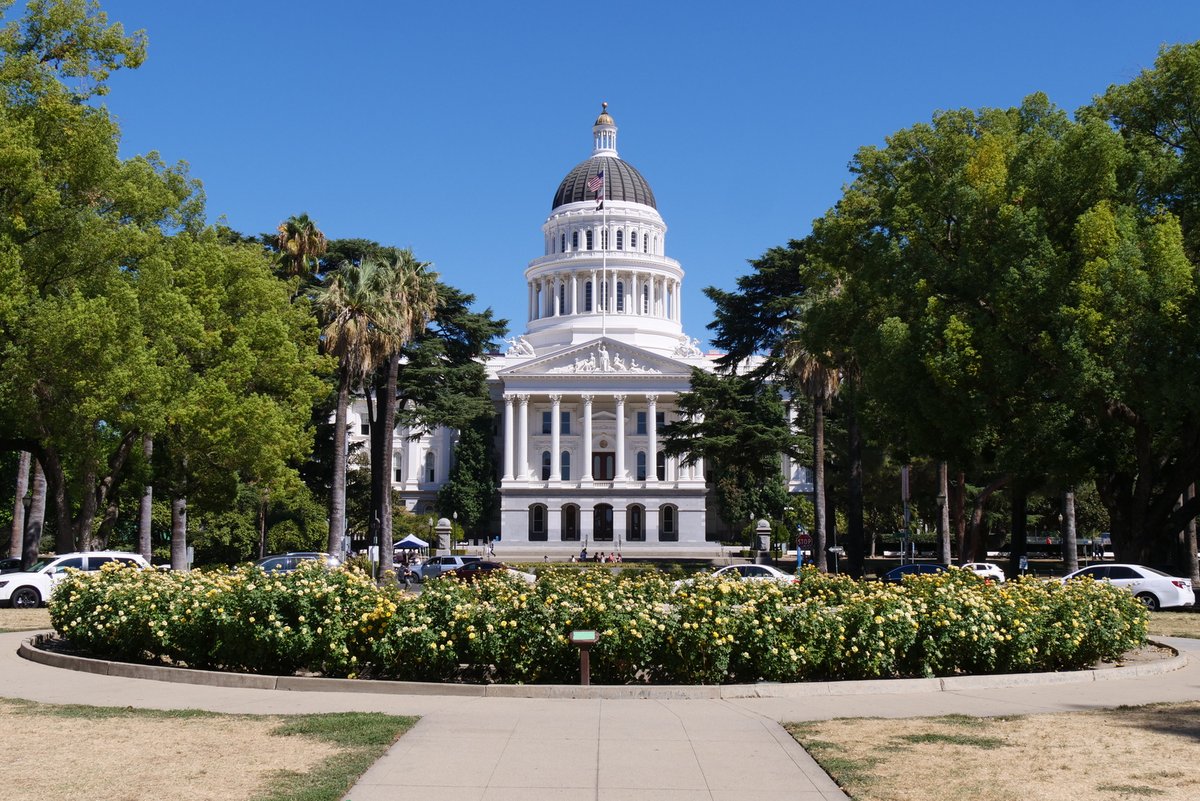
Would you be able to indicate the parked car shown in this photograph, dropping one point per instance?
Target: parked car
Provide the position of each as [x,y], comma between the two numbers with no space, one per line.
[10,565]
[986,570]
[897,574]
[756,573]
[474,569]
[435,566]
[31,588]
[1156,589]
[287,562]
[747,572]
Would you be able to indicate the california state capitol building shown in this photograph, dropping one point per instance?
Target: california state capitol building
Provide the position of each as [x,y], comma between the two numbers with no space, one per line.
[584,393]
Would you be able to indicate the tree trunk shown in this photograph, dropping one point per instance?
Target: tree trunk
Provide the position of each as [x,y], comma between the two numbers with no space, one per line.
[145,505]
[831,527]
[819,555]
[1018,529]
[179,533]
[854,517]
[35,520]
[386,415]
[943,520]
[16,541]
[960,518]
[337,496]
[978,548]
[1070,542]
[263,500]
[1189,540]
[111,513]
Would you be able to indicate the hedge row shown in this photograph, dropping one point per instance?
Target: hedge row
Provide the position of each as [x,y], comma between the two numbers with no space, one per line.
[503,630]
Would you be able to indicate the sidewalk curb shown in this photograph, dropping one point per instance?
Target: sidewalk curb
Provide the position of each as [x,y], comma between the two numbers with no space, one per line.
[29,650]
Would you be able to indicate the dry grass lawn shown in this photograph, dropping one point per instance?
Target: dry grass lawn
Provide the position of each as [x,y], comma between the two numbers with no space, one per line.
[1132,752]
[119,758]
[24,619]
[1175,624]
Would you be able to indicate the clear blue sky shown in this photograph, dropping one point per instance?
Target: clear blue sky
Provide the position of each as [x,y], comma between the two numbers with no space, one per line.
[446,126]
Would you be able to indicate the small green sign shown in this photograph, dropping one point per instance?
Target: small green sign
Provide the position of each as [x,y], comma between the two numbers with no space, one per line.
[584,637]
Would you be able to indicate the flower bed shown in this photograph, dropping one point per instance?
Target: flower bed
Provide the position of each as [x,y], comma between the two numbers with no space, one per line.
[503,630]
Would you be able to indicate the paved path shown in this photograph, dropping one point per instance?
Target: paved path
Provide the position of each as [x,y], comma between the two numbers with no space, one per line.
[488,749]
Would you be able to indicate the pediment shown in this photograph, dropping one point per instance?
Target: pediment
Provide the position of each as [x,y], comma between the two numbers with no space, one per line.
[601,357]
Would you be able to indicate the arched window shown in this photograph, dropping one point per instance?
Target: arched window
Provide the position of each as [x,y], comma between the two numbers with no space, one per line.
[562,298]
[537,522]
[588,237]
[635,526]
[668,524]
[563,248]
[604,295]
[633,240]
[545,465]
[569,529]
[565,466]
[620,239]
[646,243]
[430,473]
[645,299]
[396,460]
[620,295]
[604,239]
[574,240]
[587,296]
[660,466]
[640,475]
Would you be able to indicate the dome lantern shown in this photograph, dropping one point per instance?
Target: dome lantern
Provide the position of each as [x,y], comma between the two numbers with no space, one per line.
[605,134]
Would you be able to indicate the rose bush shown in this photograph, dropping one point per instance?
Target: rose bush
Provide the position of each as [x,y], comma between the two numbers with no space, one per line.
[500,629]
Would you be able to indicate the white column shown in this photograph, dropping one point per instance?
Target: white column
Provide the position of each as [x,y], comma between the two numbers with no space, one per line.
[574,293]
[508,438]
[652,438]
[620,468]
[586,475]
[521,468]
[532,310]
[555,433]
[698,467]
[595,294]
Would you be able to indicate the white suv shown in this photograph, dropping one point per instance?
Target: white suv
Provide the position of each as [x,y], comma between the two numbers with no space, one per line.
[30,588]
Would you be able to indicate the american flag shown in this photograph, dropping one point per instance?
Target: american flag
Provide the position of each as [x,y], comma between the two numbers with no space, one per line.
[596,184]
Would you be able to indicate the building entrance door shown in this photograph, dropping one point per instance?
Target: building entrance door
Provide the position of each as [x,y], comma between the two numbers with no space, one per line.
[602,523]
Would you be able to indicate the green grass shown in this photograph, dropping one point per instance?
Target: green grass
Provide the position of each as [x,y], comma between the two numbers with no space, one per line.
[841,769]
[361,738]
[953,739]
[1130,789]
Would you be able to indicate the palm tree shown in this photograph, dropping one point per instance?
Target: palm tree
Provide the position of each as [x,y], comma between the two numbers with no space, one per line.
[813,375]
[412,301]
[300,244]
[370,311]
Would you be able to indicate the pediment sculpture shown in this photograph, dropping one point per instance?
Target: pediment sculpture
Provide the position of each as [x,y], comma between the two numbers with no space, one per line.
[519,346]
[601,361]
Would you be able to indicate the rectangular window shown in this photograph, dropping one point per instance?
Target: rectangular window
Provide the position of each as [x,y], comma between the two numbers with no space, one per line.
[545,422]
[641,423]
[588,237]
[565,423]
[364,429]
[399,476]
[660,419]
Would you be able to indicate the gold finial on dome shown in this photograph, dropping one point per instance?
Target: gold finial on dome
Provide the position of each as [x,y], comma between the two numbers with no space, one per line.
[604,119]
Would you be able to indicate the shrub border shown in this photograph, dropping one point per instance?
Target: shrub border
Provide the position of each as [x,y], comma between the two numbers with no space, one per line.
[31,649]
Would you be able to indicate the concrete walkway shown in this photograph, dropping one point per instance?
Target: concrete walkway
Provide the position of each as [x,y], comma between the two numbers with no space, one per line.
[487,749]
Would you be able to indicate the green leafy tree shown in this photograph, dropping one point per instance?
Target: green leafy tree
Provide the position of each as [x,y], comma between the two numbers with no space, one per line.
[738,426]
[471,489]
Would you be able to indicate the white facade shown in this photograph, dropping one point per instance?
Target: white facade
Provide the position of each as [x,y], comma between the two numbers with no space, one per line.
[583,393]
